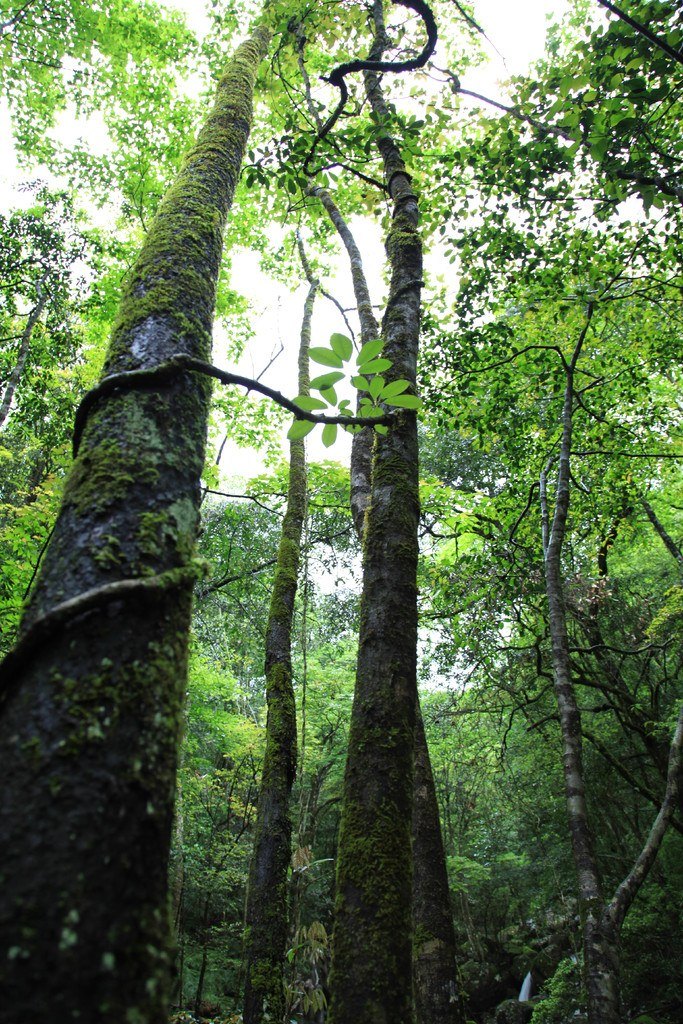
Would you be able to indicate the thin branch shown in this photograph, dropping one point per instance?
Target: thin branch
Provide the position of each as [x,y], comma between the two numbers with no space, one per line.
[225,581]
[625,894]
[627,455]
[643,30]
[618,765]
[668,541]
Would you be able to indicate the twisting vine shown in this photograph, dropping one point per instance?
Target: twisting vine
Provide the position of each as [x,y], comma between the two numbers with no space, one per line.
[337,78]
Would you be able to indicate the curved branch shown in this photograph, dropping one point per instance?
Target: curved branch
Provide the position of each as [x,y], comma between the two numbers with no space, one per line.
[178,364]
[337,78]
[626,893]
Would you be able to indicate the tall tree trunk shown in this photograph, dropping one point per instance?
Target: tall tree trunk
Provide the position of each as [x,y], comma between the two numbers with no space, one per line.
[601,921]
[266,910]
[22,355]
[371,978]
[199,991]
[438,999]
[435,979]
[601,968]
[92,694]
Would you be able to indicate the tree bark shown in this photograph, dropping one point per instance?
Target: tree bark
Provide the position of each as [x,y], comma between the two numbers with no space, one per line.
[90,718]
[361,447]
[600,963]
[371,976]
[437,998]
[266,911]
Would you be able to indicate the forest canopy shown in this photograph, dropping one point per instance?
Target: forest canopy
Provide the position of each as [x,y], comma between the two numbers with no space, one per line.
[341,515]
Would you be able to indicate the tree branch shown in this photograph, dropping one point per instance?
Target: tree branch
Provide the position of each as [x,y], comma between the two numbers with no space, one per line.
[625,894]
[643,30]
[178,364]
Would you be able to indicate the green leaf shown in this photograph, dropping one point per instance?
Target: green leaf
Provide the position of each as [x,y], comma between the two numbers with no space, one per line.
[380,428]
[308,403]
[376,385]
[330,395]
[329,434]
[396,387]
[362,383]
[299,429]
[405,401]
[326,380]
[369,350]
[600,147]
[375,366]
[342,345]
[325,356]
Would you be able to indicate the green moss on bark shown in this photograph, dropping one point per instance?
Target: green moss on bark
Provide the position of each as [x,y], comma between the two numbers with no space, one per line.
[99,705]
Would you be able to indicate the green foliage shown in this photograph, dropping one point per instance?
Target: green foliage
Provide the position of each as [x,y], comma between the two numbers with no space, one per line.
[540,210]
[562,994]
[378,395]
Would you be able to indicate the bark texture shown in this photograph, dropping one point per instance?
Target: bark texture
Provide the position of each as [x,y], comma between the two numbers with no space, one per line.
[361,447]
[371,975]
[435,974]
[266,912]
[599,966]
[89,720]
[437,999]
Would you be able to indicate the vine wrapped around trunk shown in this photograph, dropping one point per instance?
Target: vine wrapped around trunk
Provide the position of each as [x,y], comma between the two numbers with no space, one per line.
[90,719]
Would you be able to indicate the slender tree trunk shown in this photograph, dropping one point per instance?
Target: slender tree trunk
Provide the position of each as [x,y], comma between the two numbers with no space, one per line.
[199,992]
[601,969]
[22,355]
[92,695]
[666,539]
[371,977]
[361,447]
[437,999]
[266,910]
[601,921]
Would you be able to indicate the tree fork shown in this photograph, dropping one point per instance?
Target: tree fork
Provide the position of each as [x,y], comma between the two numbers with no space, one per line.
[90,724]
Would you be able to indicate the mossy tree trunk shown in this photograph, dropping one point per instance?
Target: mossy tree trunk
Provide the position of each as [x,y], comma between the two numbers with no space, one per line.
[371,976]
[266,915]
[90,717]
[437,997]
